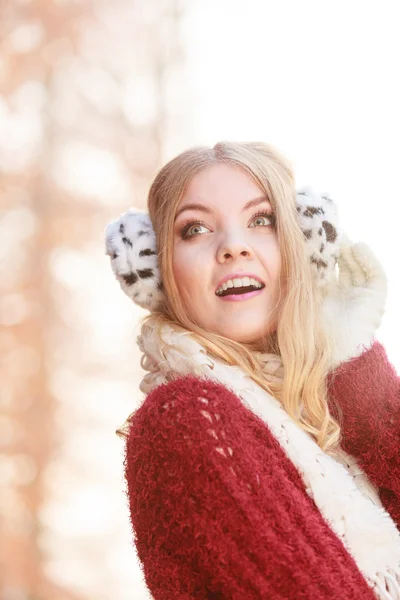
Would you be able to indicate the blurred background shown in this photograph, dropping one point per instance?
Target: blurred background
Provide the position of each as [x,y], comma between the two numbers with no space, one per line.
[95,95]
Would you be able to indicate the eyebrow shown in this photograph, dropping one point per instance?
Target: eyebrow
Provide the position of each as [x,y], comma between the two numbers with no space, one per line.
[203,208]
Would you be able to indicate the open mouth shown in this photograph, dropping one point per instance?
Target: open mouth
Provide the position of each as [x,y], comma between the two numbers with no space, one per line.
[234,291]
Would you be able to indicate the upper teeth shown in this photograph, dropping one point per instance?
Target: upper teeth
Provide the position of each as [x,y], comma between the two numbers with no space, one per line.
[243,282]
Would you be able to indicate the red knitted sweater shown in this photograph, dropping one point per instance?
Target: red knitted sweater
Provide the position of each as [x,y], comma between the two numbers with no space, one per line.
[238,524]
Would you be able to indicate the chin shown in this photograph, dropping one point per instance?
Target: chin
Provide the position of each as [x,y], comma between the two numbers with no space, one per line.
[243,337]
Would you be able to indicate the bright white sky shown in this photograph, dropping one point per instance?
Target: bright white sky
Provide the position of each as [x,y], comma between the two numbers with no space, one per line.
[320,81]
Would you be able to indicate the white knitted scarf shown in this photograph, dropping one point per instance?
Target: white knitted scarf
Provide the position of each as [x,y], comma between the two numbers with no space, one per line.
[352,509]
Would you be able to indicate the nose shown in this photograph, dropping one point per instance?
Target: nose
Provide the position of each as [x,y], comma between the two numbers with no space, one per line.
[233,249]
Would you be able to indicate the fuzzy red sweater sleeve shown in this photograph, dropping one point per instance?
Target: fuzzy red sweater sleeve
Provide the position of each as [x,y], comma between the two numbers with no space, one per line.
[365,396]
[219,512]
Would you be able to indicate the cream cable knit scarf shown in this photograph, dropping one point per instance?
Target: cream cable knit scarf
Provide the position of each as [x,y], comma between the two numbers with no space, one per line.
[340,489]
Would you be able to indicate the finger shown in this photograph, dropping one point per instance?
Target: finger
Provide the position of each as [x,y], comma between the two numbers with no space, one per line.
[372,268]
[357,272]
[345,278]
[353,273]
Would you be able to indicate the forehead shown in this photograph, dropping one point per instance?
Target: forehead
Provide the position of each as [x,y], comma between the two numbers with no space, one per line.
[221,182]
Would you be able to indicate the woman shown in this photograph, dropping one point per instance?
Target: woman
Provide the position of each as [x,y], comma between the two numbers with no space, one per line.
[264,461]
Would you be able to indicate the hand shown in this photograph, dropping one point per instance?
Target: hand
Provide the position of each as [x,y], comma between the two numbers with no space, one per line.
[355,302]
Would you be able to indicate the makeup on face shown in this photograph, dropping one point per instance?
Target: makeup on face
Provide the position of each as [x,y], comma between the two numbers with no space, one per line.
[226,258]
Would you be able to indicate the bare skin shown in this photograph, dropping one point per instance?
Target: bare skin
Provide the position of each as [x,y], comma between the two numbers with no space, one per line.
[228,239]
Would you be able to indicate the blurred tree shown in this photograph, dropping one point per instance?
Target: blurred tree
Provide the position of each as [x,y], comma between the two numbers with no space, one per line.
[91,95]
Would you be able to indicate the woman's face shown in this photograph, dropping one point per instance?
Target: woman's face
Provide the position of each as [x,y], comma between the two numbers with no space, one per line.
[224,239]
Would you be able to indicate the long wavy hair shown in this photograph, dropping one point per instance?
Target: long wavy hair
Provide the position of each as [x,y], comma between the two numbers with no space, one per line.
[299,338]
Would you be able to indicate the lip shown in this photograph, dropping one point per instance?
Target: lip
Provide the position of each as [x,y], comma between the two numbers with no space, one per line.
[240,297]
[239,276]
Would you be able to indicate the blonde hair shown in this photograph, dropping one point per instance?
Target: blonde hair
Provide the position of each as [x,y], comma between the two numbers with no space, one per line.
[299,337]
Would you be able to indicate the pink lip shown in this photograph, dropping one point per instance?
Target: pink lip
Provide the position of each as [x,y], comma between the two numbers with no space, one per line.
[239,276]
[240,297]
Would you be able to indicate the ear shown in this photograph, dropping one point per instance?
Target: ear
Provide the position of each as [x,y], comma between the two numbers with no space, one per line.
[318,218]
[131,245]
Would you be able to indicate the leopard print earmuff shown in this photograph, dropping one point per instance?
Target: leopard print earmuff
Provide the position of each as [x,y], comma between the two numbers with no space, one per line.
[131,244]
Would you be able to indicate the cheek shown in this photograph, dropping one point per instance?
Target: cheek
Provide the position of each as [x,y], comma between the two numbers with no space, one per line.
[270,258]
[189,269]
[276,262]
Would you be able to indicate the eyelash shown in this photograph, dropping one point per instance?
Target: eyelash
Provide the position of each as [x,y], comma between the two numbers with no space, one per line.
[188,224]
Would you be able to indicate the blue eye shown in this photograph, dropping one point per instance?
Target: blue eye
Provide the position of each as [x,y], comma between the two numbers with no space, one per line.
[269,219]
[191,225]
